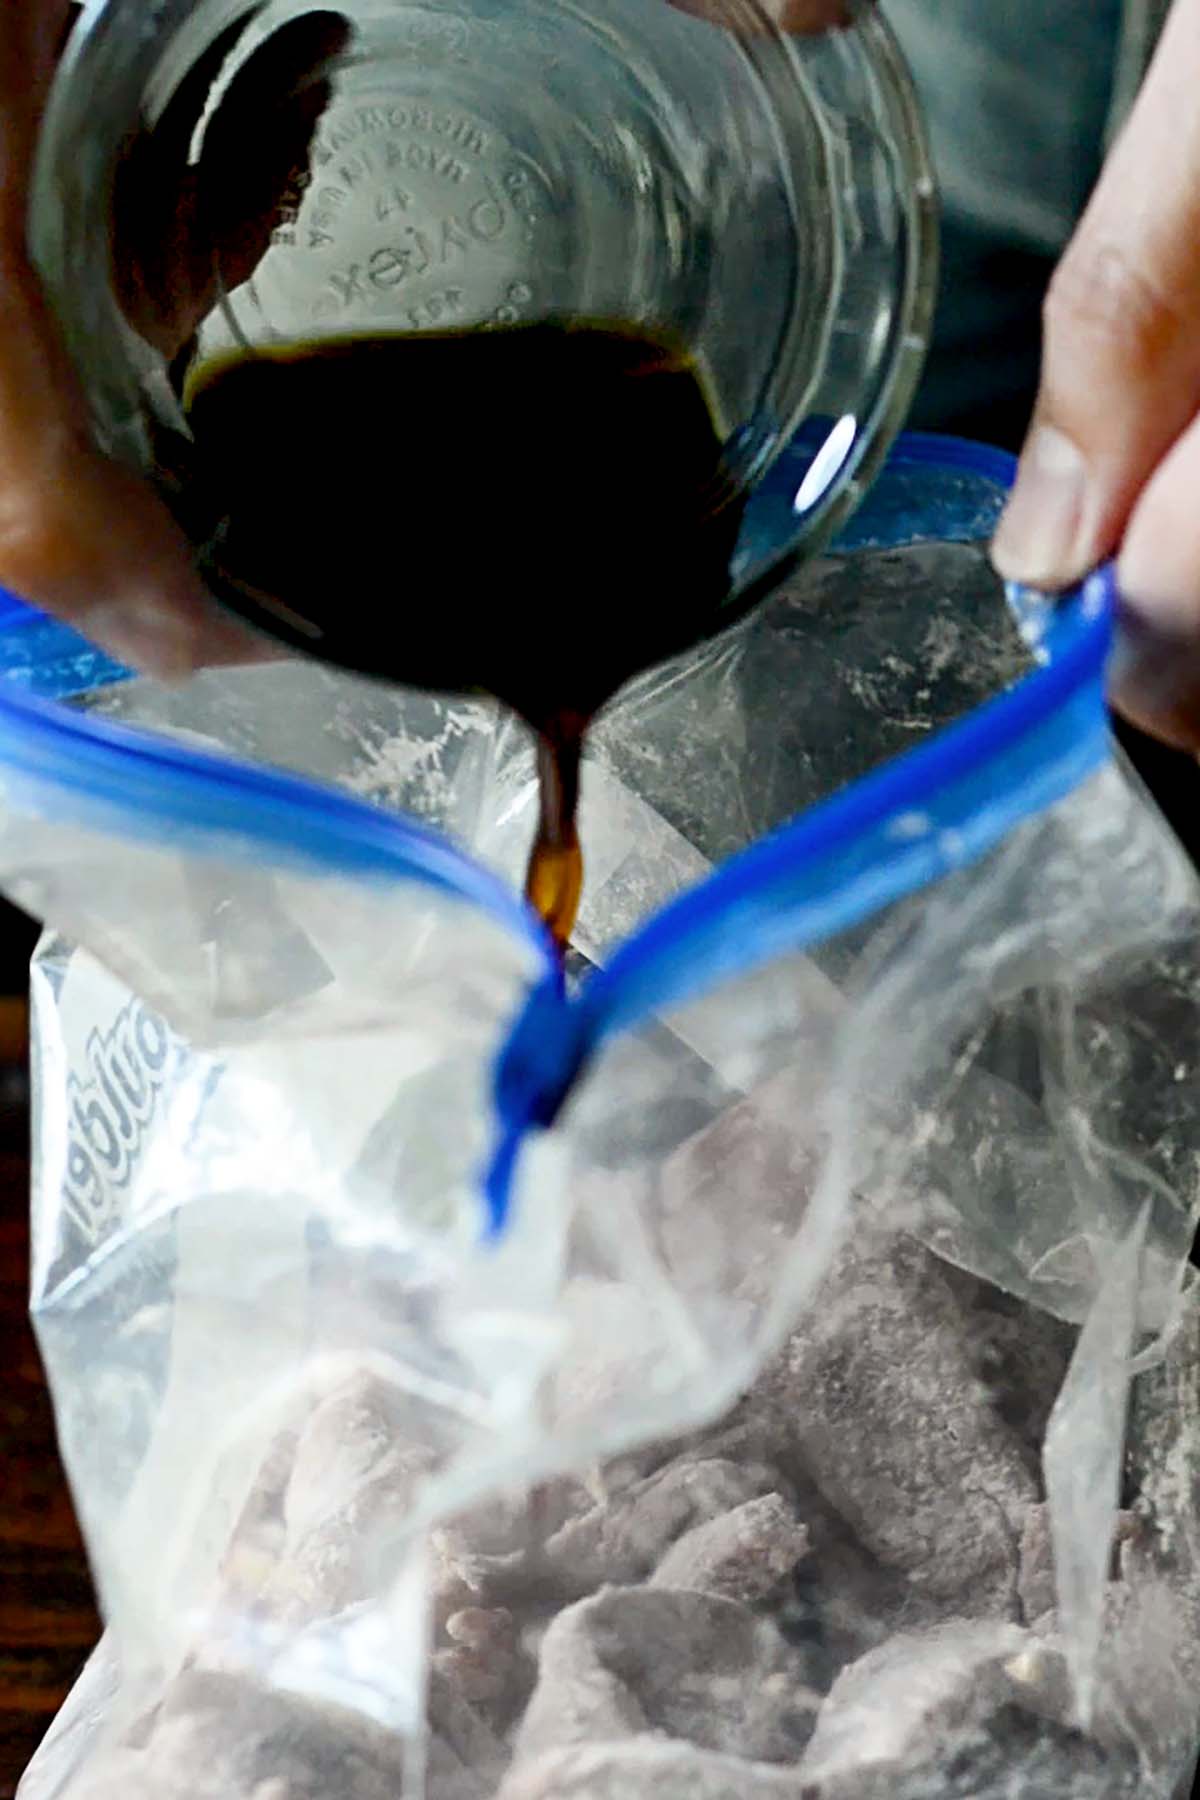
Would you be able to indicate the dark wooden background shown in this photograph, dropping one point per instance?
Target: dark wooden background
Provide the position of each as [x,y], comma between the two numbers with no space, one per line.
[47,1620]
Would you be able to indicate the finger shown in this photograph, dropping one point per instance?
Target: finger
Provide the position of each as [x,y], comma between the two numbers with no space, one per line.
[78,535]
[160,270]
[1121,365]
[30,37]
[799,16]
[810,15]
[256,147]
[181,227]
[1155,677]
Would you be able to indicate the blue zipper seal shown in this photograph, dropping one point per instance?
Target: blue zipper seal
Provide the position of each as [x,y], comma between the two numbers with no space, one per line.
[939,807]
[162,792]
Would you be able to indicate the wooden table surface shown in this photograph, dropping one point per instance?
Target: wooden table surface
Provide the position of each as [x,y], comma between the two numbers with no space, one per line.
[47,1621]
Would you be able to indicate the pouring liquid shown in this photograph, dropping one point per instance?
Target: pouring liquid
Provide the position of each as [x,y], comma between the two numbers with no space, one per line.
[536,511]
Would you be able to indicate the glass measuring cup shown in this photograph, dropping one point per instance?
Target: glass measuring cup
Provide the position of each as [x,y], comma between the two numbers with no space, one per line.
[222,179]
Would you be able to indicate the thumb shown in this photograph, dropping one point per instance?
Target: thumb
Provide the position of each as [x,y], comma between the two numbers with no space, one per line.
[1121,367]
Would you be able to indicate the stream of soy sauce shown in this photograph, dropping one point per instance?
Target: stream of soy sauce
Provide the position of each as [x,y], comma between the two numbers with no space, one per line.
[536,511]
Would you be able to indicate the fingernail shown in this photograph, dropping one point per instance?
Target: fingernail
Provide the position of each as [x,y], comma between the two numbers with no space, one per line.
[147,636]
[1038,538]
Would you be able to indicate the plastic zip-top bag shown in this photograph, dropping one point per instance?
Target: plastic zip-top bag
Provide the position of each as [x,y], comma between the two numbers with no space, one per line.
[760,1364]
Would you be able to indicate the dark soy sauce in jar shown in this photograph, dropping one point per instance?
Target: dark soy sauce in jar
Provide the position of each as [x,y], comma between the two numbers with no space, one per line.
[538,511]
